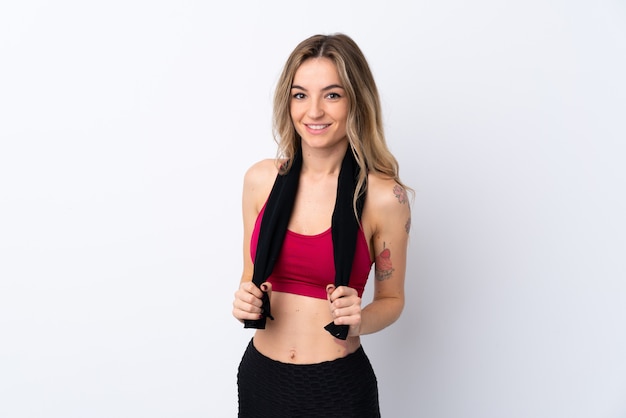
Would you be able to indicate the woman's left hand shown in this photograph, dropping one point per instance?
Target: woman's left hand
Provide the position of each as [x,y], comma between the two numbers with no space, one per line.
[345,307]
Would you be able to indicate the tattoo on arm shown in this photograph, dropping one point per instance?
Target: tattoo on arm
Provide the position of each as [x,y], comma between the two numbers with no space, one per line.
[400,193]
[383,269]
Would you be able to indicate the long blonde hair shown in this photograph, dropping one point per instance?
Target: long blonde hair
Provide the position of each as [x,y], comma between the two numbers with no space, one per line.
[364,127]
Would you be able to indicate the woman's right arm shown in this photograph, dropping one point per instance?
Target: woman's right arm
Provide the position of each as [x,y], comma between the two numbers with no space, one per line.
[258,182]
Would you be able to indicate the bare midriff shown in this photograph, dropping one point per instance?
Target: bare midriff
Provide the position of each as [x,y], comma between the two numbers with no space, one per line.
[297,334]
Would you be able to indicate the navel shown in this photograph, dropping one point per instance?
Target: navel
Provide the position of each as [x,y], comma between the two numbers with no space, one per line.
[292,354]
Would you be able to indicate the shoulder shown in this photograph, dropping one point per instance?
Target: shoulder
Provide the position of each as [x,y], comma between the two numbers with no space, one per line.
[261,172]
[384,192]
[387,202]
[258,181]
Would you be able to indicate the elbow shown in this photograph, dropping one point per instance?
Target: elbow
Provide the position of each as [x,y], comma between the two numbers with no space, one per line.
[399,307]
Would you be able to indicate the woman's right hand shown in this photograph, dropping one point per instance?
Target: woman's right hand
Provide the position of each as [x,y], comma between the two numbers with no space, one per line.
[247,303]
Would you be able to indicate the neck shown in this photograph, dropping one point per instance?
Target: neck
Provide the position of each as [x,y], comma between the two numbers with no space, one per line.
[323,161]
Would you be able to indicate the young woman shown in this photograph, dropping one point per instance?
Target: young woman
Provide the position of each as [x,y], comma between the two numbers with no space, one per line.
[315,220]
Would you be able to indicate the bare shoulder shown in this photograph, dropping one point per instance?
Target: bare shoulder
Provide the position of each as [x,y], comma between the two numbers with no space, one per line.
[261,172]
[387,202]
[258,181]
[385,193]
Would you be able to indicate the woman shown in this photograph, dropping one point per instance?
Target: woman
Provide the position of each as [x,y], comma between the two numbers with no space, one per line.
[336,206]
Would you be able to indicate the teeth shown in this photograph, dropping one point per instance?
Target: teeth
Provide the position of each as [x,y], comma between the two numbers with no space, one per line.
[317,126]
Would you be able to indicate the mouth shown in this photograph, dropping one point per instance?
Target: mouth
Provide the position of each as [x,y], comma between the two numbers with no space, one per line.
[317,127]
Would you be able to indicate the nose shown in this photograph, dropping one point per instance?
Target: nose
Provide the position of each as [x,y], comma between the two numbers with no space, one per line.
[315,110]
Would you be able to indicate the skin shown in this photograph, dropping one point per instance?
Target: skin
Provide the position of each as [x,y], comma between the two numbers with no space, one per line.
[318,110]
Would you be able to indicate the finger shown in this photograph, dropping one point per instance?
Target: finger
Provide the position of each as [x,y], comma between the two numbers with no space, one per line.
[254,306]
[243,315]
[346,311]
[267,288]
[352,320]
[343,291]
[346,301]
[244,298]
[252,288]
[329,290]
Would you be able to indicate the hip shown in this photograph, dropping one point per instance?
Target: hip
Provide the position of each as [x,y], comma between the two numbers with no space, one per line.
[307,390]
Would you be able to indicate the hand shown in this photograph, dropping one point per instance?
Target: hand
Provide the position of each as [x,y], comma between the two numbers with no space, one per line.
[247,303]
[345,307]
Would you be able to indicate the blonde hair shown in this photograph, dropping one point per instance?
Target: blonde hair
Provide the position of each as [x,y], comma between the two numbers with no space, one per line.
[364,127]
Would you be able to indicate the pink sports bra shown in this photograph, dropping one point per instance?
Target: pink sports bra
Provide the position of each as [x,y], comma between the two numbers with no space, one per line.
[306,263]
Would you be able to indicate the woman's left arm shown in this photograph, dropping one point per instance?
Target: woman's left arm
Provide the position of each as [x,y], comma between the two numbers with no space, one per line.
[390,217]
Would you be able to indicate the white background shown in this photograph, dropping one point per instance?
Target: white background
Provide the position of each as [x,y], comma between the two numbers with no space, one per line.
[125,131]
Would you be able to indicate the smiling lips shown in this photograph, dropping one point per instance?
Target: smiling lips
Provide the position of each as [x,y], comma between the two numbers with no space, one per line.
[317,128]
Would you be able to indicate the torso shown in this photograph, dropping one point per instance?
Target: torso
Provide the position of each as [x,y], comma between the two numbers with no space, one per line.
[297,333]
[306,264]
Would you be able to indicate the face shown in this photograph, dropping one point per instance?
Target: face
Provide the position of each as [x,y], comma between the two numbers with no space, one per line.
[318,105]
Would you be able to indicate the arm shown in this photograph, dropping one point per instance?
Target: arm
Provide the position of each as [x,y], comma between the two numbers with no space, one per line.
[387,215]
[258,182]
[392,218]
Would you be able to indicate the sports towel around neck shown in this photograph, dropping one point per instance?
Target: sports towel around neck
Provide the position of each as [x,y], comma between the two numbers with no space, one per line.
[344,227]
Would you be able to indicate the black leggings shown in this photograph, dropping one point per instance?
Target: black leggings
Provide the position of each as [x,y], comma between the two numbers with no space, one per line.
[344,388]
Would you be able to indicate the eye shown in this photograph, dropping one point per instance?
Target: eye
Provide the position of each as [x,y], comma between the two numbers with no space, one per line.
[333,96]
[298,96]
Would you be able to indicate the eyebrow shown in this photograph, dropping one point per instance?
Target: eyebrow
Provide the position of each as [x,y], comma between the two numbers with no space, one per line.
[332,86]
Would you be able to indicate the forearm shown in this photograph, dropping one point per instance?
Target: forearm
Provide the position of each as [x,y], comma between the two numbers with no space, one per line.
[380,314]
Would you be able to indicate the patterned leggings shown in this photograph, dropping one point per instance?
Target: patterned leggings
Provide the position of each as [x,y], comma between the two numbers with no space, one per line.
[344,388]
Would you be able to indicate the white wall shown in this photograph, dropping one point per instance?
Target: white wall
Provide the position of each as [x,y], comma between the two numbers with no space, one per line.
[125,130]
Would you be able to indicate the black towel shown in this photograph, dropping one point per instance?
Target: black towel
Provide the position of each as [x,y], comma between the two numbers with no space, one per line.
[344,226]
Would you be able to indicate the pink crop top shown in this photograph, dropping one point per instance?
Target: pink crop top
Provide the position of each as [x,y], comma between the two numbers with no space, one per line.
[306,263]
